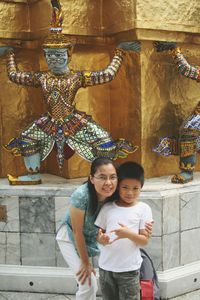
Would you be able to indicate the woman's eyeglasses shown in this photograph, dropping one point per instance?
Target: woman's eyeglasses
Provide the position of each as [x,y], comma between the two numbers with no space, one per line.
[105,178]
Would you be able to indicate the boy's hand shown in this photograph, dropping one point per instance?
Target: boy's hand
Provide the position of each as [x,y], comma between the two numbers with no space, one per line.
[122,232]
[102,238]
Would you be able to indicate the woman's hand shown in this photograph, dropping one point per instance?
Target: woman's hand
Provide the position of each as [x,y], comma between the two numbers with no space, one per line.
[84,273]
[103,238]
[149,227]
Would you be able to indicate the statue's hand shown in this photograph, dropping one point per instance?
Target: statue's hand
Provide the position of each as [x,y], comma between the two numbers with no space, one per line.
[162,46]
[130,46]
[4,50]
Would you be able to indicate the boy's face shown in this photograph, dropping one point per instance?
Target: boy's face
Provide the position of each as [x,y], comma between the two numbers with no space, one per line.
[129,191]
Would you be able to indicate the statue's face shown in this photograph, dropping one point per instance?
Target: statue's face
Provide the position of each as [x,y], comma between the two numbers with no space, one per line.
[57,60]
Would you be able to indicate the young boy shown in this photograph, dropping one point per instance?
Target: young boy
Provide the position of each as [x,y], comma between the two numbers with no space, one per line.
[122,232]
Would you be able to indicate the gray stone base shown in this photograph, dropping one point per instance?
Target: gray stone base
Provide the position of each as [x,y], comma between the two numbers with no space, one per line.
[29,257]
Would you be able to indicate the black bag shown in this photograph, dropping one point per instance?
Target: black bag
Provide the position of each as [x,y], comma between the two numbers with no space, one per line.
[148,272]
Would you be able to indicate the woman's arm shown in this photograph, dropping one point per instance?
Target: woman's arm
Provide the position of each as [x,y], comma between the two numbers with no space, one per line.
[77,221]
[23,78]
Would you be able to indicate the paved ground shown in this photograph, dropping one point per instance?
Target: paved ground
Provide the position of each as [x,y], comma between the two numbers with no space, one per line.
[37,296]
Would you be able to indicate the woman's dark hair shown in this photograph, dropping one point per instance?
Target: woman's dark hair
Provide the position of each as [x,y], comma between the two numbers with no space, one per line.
[131,170]
[98,162]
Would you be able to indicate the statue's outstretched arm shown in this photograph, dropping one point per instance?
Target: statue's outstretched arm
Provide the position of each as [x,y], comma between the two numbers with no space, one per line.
[184,67]
[16,76]
[106,75]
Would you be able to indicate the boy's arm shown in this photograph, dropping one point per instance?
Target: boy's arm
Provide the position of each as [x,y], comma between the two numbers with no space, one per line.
[140,238]
[103,238]
[145,231]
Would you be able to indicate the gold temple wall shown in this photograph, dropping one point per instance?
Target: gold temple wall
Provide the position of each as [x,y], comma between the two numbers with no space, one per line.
[167,98]
[148,98]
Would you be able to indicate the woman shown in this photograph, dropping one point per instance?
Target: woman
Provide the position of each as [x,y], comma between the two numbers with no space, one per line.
[77,236]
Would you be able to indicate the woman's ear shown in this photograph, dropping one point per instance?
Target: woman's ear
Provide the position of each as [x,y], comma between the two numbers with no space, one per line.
[91,179]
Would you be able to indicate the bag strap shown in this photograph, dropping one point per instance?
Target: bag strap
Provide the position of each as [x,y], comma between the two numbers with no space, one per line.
[144,253]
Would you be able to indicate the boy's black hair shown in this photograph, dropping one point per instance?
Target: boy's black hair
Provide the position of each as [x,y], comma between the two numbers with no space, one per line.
[131,170]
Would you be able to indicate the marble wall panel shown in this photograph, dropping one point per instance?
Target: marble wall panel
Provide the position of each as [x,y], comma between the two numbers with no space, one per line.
[38,249]
[154,249]
[60,262]
[171,255]
[61,205]
[2,247]
[13,249]
[190,241]
[37,214]
[190,207]
[12,206]
[9,248]
[156,206]
[171,220]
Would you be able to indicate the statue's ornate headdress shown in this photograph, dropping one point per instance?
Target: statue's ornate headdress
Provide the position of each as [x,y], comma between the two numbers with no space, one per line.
[56,39]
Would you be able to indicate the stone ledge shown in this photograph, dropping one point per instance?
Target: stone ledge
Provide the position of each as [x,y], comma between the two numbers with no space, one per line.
[181,280]
[174,282]
[57,186]
[52,186]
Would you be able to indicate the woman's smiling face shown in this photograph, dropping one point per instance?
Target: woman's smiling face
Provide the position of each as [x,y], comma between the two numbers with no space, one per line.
[104,181]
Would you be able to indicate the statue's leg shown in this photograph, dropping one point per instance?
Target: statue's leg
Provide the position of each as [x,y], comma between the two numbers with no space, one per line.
[32,164]
[187,146]
[34,145]
[188,140]
[187,165]
[93,141]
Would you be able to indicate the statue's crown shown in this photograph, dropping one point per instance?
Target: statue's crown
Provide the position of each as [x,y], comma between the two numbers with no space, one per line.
[55,38]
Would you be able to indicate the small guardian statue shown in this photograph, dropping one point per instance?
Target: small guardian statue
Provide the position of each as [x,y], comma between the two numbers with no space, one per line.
[187,144]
